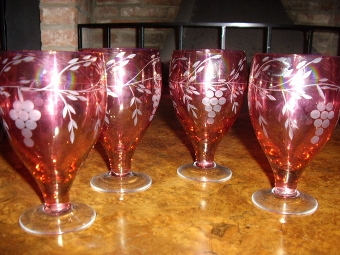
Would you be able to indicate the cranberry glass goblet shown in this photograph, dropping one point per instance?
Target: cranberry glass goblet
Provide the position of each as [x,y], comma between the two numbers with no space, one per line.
[53,108]
[294,107]
[134,85]
[207,88]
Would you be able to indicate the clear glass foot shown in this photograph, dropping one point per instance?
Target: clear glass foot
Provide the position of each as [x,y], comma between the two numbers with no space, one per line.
[36,221]
[302,204]
[133,182]
[216,173]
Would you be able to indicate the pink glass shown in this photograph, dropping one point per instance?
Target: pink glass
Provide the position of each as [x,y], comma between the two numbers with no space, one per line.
[134,85]
[294,107]
[53,108]
[207,88]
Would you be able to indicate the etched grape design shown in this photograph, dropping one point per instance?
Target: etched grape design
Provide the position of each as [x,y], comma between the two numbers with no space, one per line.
[25,117]
[213,102]
[322,116]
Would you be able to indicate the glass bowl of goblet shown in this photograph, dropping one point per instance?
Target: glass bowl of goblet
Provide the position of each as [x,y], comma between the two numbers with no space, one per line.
[53,108]
[294,107]
[207,88]
[134,84]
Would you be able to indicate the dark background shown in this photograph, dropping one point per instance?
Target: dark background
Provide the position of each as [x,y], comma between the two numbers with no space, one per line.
[20,25]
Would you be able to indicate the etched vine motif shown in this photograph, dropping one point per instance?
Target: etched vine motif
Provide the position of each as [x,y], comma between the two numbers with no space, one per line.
[23,111]
[214,97]
[292,88]
[135,85]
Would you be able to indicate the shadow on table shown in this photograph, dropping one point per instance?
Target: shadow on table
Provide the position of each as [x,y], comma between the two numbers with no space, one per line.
[14,161]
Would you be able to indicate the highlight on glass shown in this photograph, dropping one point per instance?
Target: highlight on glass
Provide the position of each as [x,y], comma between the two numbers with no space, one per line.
[294,107]
[134,84]
[53,108]
[207,87]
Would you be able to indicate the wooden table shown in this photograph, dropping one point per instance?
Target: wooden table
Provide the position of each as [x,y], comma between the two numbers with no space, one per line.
[176,216]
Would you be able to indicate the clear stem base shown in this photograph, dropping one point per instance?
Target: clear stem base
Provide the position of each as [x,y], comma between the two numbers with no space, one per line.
[36,221]
[133,182]
[212,174]
[302,204]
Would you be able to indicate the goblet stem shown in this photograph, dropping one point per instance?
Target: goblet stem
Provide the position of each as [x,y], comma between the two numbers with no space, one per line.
[205,153]
[120,178]
[120,162]
[57,218]
[204,168]
[284,198]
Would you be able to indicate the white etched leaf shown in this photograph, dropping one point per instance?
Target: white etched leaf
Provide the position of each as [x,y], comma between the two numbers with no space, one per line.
[71,97]
[132,101]
[288,73]
[200,69]
[120,54]
[21,97]
[73,92]
[110,62]
[74,124]
[196,64]
[86,57]
[193,78]
[72,136]
[320,92]
[134,113]
[301,64]
[16,62]
[124,63]
[69,126]
[306,96]
[266,68]
[28,59]
[71,109]
[216,56]
[286,123]
[24,81]
[72,61]
[82,98]
[284,109]
[65,111]
[74,68]
[317,60]
[290,133]
[106,119]
[306,74]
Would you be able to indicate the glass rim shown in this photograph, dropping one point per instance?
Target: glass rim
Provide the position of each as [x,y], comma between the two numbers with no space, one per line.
[212,50]
[42,52]
[108,50]
[293,55]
